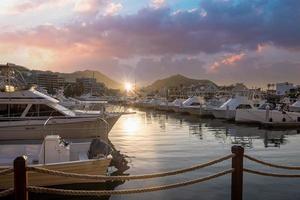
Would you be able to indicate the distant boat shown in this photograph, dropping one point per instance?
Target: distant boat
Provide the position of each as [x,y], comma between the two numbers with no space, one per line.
[228,109]
[55,154]
[193,106]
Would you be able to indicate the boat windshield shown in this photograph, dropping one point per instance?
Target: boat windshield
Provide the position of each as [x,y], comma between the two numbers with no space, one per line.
[39,110]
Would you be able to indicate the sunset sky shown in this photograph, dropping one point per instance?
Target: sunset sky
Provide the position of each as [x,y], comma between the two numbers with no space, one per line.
[251,41]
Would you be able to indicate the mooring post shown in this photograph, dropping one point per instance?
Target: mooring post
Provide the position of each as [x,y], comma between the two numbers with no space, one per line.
[20,178]
[237,174]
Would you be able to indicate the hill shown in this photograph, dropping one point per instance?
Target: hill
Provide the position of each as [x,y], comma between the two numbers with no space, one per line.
[71,77]
[176,81]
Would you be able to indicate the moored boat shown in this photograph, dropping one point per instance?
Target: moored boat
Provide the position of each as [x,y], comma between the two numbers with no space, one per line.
[55,154]
[24,115]
[228,109]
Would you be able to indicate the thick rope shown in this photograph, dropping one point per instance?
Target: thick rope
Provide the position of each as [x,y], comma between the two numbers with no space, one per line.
[6,171]
[7,192]
[133,177]
[128,191]
[272,174]
[271,165]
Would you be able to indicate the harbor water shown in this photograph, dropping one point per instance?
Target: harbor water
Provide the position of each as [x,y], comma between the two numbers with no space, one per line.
[157,142]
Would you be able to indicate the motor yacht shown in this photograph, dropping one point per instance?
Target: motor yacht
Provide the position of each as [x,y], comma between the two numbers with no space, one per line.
[266,113]
[29,114]
[228,109]
[193,106]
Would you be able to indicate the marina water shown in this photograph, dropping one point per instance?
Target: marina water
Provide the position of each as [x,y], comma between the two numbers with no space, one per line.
[157,142]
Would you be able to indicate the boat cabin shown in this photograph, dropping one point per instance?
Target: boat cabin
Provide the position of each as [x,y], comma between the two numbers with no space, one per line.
[30,103]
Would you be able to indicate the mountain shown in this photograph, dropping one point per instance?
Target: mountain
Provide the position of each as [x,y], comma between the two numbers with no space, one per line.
[176,81]
[71,77]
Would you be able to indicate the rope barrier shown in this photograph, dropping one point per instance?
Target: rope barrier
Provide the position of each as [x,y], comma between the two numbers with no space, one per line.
[6,171]
[272,174]
[128,191]
[270,164]
[133,177]
[7,192]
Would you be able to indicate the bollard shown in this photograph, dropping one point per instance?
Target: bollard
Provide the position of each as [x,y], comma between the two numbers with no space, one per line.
[20,178]
[237,174]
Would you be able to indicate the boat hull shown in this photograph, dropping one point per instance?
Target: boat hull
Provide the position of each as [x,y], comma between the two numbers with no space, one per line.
[261,116]
[90,167]
[224,114]
[294,109]
[71,128]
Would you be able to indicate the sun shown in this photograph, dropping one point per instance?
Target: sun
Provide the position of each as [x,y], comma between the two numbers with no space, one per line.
[128,87]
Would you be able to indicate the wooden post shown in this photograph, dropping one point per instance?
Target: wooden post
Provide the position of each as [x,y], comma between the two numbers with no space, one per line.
[20,178]
[237,174]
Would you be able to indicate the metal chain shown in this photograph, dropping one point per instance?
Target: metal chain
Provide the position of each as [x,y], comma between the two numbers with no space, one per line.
[133,177]
[272,174]
[270,164]
[128,191]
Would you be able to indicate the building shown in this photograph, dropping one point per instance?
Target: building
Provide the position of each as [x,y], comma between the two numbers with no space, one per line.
[238,88]
[49,81]
[204,89]
[283,88]
[91,85]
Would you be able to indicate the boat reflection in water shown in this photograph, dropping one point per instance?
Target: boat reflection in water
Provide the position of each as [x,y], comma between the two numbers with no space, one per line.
[157,141]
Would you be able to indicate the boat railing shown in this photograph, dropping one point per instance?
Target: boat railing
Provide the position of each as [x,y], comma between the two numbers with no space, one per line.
[21,187]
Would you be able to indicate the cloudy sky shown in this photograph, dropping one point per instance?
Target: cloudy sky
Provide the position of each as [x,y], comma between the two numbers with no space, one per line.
[251,41]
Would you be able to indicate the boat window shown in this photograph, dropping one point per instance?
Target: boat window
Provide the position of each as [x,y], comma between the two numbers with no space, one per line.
[244,106]
[33,111]
[48,111]
[3,110]
[12,110]
[42,110]
[16,110]
[195,104]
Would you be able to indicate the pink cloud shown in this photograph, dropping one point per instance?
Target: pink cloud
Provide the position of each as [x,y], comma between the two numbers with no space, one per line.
[113,9]
[229,60]
[34,4]
[89,6]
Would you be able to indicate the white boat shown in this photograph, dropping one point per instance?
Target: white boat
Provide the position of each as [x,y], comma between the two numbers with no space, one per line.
[55,154]
[228,109]
[174,105]
[193,106]
[211,105]
[265,115]
[24,114]
[150,103]
[295,107]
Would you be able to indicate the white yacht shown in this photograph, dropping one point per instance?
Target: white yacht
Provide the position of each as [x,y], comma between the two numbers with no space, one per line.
[29,114]
[228,109]
[193,106]
[266,113]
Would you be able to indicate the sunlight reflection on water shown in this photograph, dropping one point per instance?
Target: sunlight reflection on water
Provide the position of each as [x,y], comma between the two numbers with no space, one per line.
[160,142]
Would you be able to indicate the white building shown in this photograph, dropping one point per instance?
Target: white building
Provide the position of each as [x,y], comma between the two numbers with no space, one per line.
[283,88]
